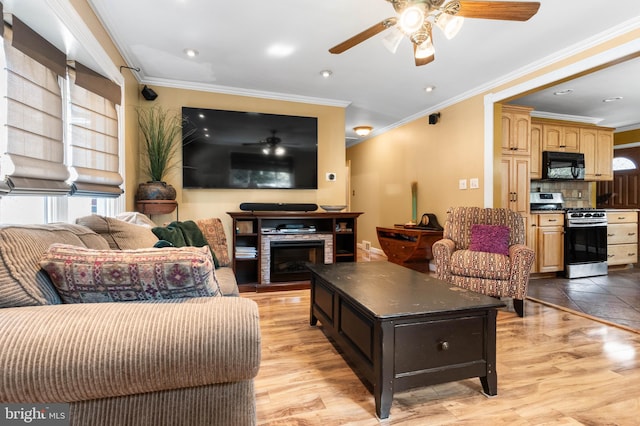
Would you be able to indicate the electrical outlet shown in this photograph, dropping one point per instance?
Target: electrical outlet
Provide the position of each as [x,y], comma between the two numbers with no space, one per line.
[366,245]
[462,184]
[474,183]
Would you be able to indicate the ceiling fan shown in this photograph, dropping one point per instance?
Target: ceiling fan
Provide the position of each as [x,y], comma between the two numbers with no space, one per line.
[415,20]
[270,144]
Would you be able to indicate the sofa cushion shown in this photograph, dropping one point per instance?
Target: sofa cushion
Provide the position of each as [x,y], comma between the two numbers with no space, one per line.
[119,234]
[479,264]
[87,276]
[22,282]
[213,231]
[227,281]
[490,238]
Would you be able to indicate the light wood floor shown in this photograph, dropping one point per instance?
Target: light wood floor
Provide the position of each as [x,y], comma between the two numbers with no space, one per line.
[554,368]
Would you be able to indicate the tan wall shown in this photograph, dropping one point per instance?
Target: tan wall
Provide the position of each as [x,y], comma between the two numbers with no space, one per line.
[435,156]
[629,136]
[203,203]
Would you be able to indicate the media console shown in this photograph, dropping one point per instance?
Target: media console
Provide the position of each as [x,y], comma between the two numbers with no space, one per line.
[329,238]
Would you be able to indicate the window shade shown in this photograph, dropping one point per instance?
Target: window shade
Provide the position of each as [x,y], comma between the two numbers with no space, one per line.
[31,142]
[95,162]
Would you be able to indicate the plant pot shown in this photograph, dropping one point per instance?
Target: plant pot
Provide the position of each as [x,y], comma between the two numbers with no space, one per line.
[155,190]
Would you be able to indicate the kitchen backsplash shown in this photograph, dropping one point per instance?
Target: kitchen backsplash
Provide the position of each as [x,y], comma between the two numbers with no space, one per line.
[575,194]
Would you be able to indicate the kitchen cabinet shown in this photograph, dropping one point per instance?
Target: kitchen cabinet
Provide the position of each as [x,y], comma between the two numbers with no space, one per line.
[515,183]
[516,158]
[559,137]
[622,237]
[536,151]
[597,146]
[516,130]
[549,244]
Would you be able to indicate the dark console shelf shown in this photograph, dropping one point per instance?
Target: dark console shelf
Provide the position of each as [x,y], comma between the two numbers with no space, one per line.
[252,227]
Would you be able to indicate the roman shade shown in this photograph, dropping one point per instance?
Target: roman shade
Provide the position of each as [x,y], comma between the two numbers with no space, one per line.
[94,158]
[31,143]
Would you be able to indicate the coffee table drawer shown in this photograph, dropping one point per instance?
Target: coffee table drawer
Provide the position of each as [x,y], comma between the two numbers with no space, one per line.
[436,344]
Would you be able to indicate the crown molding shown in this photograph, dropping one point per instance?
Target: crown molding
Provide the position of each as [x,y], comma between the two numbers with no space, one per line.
[237,91]
[566,117]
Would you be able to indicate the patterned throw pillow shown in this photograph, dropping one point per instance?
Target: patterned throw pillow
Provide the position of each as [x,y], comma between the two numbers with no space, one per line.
[490,238]
[88,276]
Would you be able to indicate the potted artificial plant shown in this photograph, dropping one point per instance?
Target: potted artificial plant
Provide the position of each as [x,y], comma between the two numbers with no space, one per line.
[162,133]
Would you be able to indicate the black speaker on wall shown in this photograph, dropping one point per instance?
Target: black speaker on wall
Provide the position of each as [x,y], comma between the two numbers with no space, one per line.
[433,118]
[148,93]
[278,207]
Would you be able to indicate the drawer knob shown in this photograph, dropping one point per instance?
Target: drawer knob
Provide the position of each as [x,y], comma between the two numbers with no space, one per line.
[610,255]
[610,235]
[444,346]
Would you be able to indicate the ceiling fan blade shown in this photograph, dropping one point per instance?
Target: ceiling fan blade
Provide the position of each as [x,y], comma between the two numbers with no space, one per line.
[364,35]
[422,61]
[503,10]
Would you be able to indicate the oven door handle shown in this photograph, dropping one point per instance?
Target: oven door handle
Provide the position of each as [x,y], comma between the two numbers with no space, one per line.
[587,225]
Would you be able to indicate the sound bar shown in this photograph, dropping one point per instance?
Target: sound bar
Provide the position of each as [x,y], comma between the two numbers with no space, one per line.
[278,207]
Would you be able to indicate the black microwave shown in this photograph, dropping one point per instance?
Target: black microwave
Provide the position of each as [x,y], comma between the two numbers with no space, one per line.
[562,165]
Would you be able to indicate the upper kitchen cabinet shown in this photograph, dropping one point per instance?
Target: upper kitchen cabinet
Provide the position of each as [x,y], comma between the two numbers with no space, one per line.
[562,138]
[536,151]
[597,146]
[516,130]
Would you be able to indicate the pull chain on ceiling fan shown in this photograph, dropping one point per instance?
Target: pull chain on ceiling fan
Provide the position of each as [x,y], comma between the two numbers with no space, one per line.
[416,19]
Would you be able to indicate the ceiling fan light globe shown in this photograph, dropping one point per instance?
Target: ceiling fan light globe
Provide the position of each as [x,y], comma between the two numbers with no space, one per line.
[280,150]
[449,24]
[425,50]
[392,40]
[266,151]
[412,18]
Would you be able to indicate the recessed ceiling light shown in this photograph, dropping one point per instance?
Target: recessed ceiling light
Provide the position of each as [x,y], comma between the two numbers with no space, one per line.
[280,50]
[192,53]
[326,73]
[563,92]
[429,89]
[613,99]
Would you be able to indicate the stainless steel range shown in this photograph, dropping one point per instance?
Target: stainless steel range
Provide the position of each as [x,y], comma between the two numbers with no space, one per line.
[585,235]
[585,243]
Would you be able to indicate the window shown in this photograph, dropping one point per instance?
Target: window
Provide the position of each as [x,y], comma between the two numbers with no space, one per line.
[623,163]
[45,106]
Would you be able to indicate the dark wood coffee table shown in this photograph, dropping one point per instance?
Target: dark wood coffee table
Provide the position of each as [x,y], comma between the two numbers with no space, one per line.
[403,329]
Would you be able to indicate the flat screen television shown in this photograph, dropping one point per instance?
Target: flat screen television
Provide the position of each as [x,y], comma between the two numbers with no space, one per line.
[234,149]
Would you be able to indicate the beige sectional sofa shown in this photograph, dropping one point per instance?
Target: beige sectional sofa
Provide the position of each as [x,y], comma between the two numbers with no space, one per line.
[189,361]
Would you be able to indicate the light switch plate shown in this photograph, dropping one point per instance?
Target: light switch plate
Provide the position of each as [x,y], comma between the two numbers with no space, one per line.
[474,183]
[462,184]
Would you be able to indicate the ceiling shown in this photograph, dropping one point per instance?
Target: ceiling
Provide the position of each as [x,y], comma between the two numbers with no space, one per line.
[277,49]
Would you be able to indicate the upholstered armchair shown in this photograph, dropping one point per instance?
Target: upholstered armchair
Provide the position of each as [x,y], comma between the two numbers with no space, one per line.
[492,260]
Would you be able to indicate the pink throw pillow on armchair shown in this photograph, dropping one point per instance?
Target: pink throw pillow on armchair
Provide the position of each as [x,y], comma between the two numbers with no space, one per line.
[490,238]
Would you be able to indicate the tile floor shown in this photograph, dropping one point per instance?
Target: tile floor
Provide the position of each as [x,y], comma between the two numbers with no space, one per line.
[614,297]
